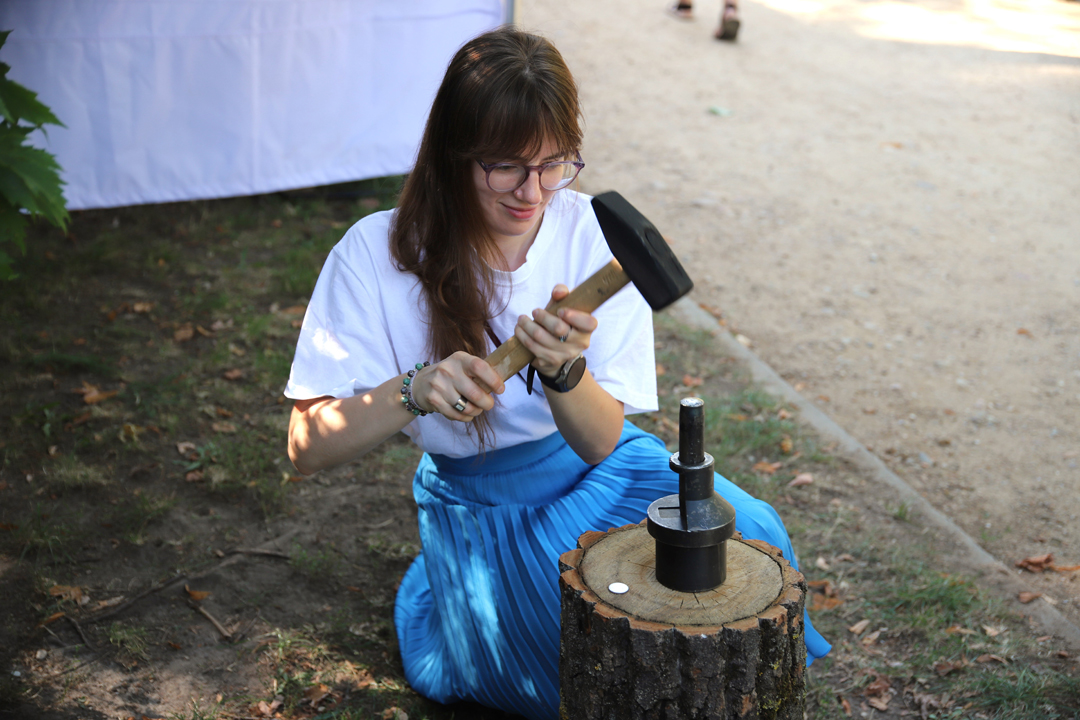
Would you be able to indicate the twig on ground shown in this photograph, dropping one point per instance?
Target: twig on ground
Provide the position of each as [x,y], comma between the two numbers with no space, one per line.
[259,551]
[203,611]
[82,664]
[57,637]
[264,549]
[121,608]
[78,628]
[238,636]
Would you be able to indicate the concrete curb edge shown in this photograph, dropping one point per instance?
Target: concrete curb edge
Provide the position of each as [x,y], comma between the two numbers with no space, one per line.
[688,312]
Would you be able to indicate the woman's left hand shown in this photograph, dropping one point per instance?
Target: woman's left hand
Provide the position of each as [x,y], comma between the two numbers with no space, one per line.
[555,338]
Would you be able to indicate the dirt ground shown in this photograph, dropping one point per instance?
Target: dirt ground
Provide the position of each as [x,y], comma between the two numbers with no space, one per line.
[881,197]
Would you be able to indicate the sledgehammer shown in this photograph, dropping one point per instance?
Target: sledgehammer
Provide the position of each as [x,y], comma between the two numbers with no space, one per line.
[641,257]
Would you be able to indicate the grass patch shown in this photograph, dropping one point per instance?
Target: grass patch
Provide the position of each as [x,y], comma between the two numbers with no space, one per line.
[130,642]
[71,473]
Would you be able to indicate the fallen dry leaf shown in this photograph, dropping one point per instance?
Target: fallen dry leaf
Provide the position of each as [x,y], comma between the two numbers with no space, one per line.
[1026,597]
[957,630]
[871,638]
[233,374]
[294,310]
[801,479]
[1035,563]
[714,311]
[175,646]
[98,396]
[823,586]
[394,713]
[786,445]
[766,467]
[660,370]
[224,427]
[879,703]
[692,382]
[194,476]
[1064,568]
[845,706]
[845,557]
[991,658]
[879,687]
[992,631]
[821,602]
[129,432]
[92,394]
[858,627]
[196,595]
[186,447]
[184,333]
[142,307]
[317,692]
[1024,331]
[52,618]
[821,563]
[824,594]
[67,592]
[945,667]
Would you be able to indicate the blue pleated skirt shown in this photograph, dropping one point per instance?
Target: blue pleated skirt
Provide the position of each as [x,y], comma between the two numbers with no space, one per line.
[477,614]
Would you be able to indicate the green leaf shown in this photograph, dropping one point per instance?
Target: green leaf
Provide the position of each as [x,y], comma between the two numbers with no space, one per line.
[29,177]
[19,103]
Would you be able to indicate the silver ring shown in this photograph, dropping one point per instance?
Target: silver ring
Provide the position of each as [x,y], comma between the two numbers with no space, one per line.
[460,404]
[563,338]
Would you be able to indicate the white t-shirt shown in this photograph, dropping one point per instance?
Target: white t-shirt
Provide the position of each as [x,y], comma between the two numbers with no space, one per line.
[365,324]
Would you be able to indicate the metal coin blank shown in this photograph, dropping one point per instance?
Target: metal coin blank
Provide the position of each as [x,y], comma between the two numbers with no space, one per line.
[618,588]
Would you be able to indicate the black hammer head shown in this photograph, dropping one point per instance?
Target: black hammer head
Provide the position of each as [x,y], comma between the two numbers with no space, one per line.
[645,256]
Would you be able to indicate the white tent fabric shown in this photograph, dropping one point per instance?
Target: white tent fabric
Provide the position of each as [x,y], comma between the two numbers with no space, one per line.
[185,99]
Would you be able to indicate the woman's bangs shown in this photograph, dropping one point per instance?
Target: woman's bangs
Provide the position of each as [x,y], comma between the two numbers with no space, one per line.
[518,131]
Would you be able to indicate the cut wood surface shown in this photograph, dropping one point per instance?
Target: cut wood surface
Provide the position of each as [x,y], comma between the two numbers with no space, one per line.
[754,581]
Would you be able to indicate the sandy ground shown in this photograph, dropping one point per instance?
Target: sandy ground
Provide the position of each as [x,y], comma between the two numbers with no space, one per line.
[882,198]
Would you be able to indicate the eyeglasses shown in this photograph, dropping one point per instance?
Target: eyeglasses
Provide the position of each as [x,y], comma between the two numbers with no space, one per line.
[507,177]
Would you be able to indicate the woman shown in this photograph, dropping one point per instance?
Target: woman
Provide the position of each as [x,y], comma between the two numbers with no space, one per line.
[407,306]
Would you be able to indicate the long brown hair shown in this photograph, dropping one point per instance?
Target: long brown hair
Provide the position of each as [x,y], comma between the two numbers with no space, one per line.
[504,94]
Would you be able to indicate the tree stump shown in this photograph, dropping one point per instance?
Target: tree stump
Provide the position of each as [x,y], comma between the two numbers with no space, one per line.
[733,652]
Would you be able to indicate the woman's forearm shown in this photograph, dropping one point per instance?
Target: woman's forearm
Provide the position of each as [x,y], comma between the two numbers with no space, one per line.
[326,432]
[589,418]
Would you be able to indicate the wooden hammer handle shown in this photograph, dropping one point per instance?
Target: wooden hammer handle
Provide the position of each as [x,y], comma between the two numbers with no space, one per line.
[511,356]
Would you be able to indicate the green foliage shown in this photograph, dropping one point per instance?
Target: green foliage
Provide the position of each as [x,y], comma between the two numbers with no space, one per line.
[29,176]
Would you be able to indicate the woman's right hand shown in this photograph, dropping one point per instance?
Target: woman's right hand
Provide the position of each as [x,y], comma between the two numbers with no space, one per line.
[462,380]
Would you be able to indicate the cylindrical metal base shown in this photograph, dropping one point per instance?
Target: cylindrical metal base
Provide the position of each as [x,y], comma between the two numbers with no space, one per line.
[691,569]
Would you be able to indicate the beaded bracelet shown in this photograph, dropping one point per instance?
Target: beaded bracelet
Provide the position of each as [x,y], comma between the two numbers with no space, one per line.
[406,391]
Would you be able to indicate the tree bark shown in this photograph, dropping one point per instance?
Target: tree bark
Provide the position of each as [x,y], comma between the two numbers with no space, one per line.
[733,652]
